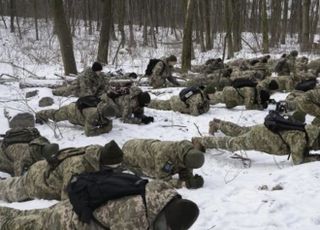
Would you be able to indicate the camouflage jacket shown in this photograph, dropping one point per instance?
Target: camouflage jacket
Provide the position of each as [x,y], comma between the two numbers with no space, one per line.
[158,159]
[91,83]
[16,159]
[47,182]
[126,213]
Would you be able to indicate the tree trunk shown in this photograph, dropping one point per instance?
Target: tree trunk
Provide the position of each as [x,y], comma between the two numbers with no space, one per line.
[207,7]
[103,49]
[305,44]
[284,22]
[132,42]
[228,22]
[121,17]
[35,9]
[315,20]
[187,38]
[236,25]
[64,36]
[12,14]
[201,25]
[265,35]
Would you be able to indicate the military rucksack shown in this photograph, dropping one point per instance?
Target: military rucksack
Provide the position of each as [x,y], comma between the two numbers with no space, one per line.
[276,123]
[306,85]
[19,135]
[243,82]
[152,63]
[89,191]
[87,102]
[186,93]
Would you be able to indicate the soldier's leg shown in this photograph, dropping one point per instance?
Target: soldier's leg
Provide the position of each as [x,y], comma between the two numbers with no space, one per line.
[216,98]
[54,114]
[63,91]
[242,142]
[307,106]
[228,128]
[13,219]
[14,189]
[160,104]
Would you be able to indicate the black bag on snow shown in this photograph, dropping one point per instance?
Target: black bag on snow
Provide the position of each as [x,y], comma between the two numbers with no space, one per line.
[243,82]
[275,122]
[306,85]
[152,63]
[89,191]
[186,93]
[19,135]
[87,101]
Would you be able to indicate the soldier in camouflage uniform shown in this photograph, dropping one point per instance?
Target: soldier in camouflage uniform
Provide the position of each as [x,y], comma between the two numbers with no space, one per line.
[210,66]
[90,82]
[164,209]
[250,97]
[163,159]
[260,138]
[95,120]
[17,158]
[287,64]
[48,179]
[306,103]
[196,104]
[130,106]
[162,72]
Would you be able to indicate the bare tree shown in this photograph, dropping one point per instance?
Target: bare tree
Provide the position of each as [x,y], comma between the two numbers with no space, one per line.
[305,43]
[103,49]
[64,36]
[187,38]
[264,21]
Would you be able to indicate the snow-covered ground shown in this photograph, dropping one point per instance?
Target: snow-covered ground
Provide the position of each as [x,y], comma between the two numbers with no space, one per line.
[230,198]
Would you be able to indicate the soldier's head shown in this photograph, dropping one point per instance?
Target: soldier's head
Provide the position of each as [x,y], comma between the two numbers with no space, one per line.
[194,159]
[143,99]
[178,214]
[172,60]
[96,67]
[133,75]
[111,155]
[294,53]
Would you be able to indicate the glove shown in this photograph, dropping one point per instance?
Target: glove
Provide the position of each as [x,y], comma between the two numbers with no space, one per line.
[147,120]
[195,182]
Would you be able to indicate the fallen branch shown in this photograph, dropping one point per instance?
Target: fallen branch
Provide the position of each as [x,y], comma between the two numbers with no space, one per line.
[36,85]
[198,129]
[24,69]
[247,43]
[245,161]
[8,75]
[167,126]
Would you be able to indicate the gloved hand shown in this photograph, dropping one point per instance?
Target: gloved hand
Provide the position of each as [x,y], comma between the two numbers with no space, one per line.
[195,182]
[147,120]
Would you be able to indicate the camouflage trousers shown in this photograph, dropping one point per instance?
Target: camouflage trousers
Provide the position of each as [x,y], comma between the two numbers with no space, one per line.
[125,213]
[66,91]
[258,138]
[31,185]
[160,104]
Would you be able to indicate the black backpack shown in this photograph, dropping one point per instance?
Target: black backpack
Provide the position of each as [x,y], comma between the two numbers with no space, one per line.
[151,65]
[89,191]
[276,123]
[86,102]
[243,82]
[306,85]
[19,135]
[186,93]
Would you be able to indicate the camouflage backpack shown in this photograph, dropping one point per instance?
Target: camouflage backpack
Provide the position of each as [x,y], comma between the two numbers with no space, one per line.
[19,135]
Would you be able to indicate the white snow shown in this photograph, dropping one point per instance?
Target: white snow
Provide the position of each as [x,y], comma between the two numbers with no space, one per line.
[230,198]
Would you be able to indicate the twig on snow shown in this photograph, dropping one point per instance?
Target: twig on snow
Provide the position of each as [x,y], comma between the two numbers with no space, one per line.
[198,129]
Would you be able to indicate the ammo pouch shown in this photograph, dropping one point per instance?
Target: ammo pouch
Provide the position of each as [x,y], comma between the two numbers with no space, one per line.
[19,135]
[63,154]
[306,85]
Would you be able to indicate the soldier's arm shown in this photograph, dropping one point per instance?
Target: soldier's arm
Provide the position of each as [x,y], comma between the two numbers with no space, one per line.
[86,86]
[95,130]
[158,69]
[127,115]
[173,80]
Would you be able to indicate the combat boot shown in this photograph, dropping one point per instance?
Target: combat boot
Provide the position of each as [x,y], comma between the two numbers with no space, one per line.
[214,126]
